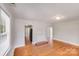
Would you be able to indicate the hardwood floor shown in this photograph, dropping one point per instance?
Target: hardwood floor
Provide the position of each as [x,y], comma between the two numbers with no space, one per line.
[58,48]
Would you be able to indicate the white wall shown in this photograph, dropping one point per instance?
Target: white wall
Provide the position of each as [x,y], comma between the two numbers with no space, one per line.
[67,31]
[39,31]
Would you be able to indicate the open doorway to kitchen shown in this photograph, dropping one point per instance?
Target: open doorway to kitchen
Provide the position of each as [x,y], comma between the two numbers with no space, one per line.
[28,34]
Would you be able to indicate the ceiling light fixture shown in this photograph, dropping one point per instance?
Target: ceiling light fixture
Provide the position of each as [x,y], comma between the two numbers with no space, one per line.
[58,18]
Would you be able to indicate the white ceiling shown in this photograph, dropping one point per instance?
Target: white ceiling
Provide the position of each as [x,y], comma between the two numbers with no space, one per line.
[46,11]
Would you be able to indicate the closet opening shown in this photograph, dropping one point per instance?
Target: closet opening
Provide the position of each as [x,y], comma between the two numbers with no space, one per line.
[28,34]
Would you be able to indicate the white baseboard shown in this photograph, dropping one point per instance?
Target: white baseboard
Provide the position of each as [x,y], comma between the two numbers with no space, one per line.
[67,42]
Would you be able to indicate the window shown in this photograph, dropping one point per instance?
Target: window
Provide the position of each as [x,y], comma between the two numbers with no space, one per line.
[2,26]
[4,32]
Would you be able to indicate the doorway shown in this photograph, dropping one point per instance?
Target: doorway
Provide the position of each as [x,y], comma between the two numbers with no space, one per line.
[28,34]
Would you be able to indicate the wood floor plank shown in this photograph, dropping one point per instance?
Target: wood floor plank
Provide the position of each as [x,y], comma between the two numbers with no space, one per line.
[58,48]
